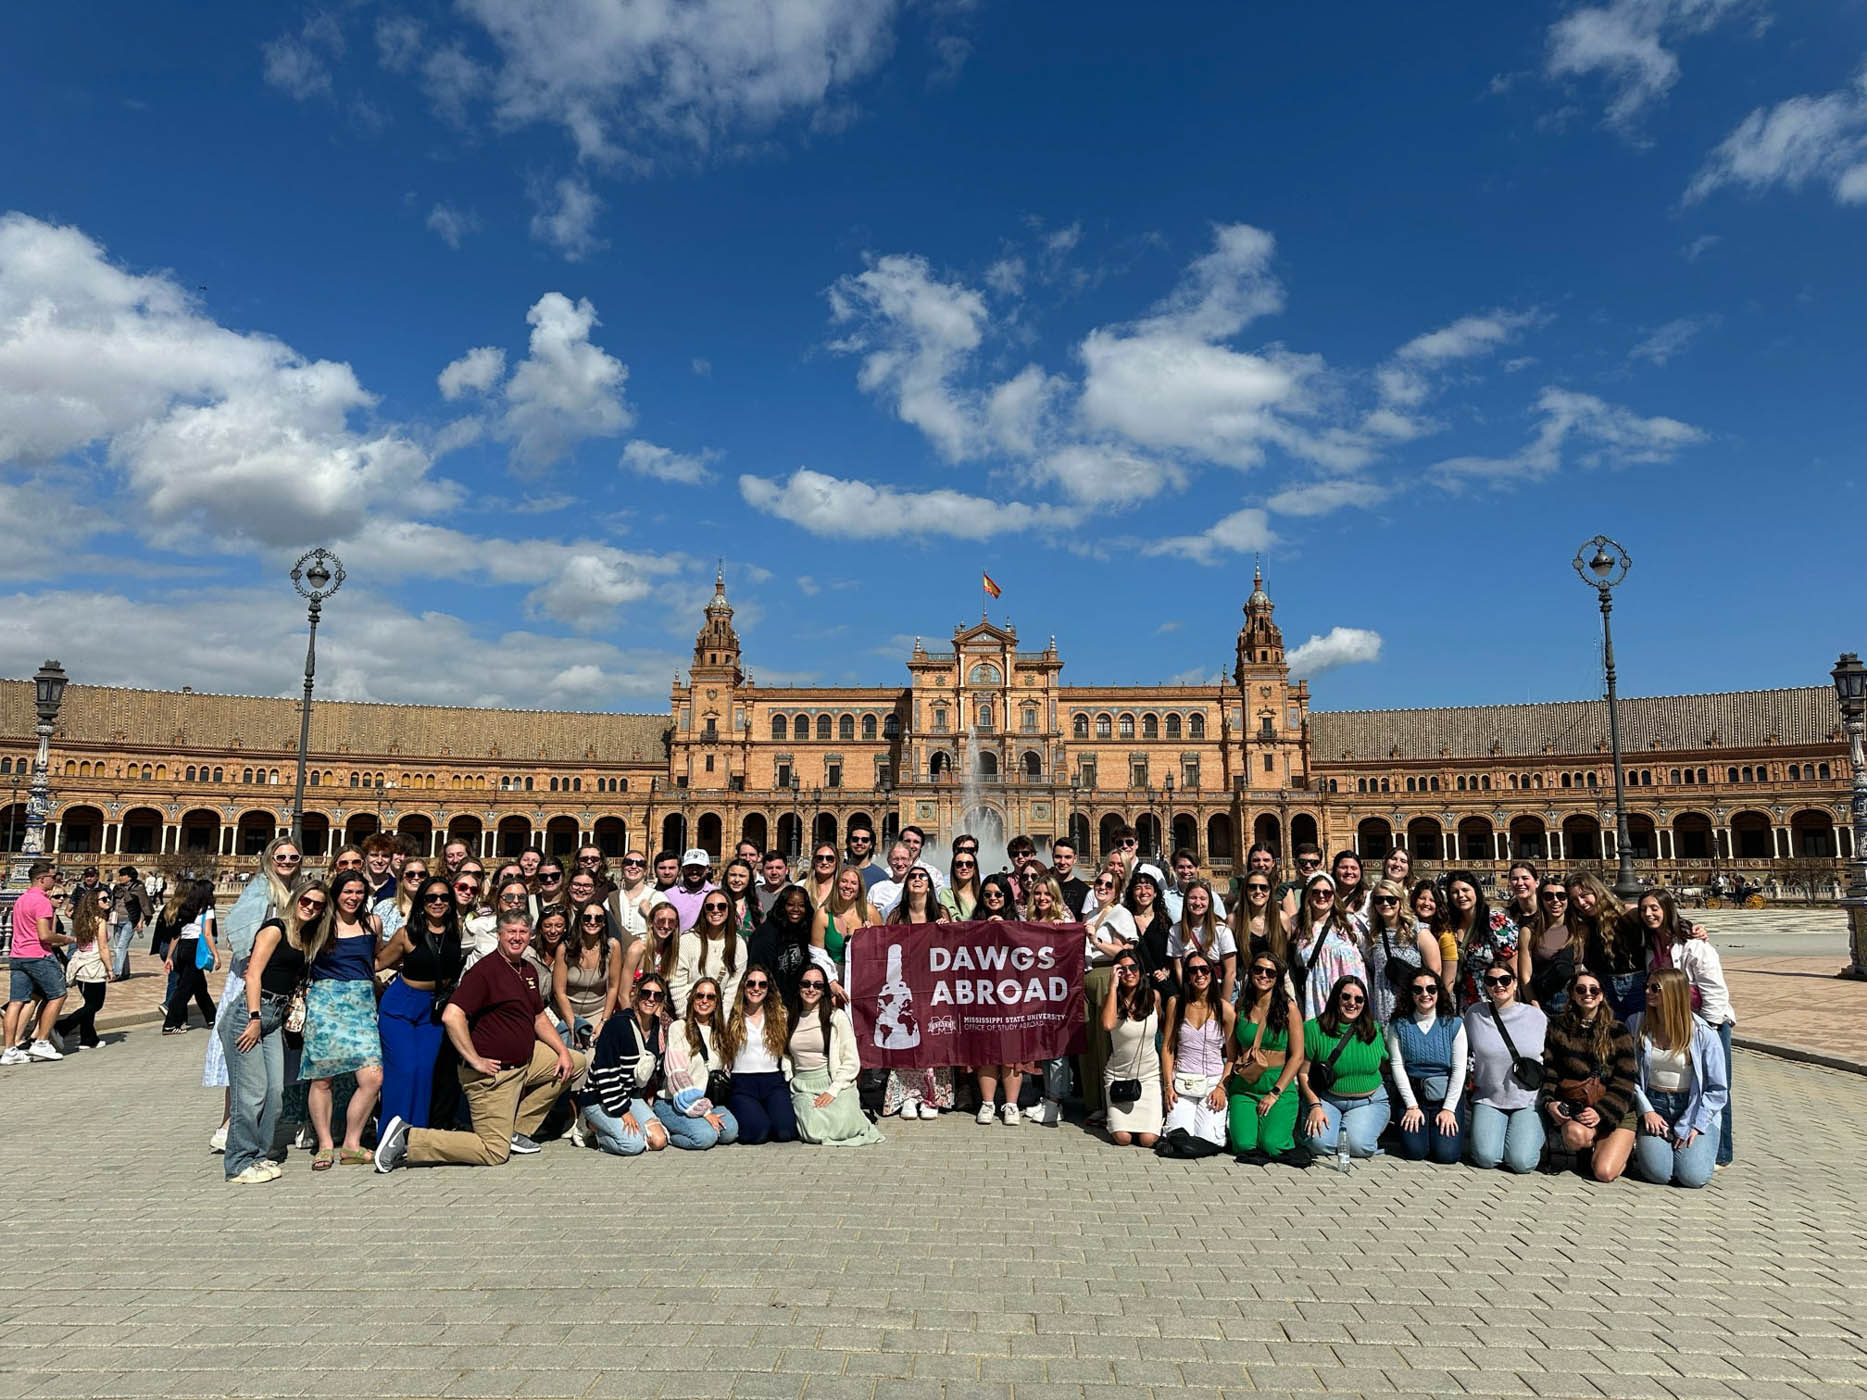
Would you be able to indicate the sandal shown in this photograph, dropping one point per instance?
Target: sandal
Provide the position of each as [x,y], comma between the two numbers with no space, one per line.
[355,1157]
[324,1161]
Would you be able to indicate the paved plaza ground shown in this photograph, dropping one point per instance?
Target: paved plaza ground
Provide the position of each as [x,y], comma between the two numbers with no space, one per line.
[957,1261]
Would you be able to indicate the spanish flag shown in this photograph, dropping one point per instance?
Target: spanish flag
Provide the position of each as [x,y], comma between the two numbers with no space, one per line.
[991,587]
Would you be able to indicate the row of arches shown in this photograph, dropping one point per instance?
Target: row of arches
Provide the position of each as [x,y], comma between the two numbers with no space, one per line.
[799,727]
[942,764]
[1747,836]
[1109,725]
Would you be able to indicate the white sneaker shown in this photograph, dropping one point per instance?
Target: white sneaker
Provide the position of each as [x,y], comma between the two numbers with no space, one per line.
[1009,1115]
[254,1175]
[907,1113]
[985,1115]
[13,1055]
[1047,1113]
[218,1142]
[929,1111]
[272,1170]
[42,1050]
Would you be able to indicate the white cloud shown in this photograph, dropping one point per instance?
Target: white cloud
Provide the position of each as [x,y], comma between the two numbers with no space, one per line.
[808,586]
[1670,339]
[1601,434]
[1700,246]
[1322,497]
[473,373]
[830,506]
[1224,290]
[1804,140]
[701,367]
[451,225]
[1466,337]
[1413,376]
[1006,276]
[1242,532]
[629,79]
[664,464]
[914,333]
[1107,474]
[1017,411]
[398,42]
[566,219]
[241,641]
[566,389]
[1343,646]
[219,433]
[1625,44]
[297,64]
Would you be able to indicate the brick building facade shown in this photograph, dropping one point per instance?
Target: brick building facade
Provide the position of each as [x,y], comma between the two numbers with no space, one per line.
[984,735]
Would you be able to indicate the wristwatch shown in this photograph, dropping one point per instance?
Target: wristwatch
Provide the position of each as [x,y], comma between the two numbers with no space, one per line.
[252,1015]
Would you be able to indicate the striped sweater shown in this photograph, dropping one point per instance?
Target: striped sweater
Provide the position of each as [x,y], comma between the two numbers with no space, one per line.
[1569,1055]
[625,1064]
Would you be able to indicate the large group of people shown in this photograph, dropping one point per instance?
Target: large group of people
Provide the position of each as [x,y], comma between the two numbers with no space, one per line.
[1327,1016]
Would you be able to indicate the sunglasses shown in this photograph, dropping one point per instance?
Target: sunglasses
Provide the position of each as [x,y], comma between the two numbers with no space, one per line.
[1263,972]
[1588,991]
[812,986]
[593,920]
[314,905]
[1128,970]
[437,899]
[1322,894]
[1255,888]
[589,860]
[468,885]
[550,877]
[965,864]
[713,908]
[1130,845]
[630,861]
[1556,896]
[649,998]
[1199,972]
[282,859]
[705,996]
[1351,999]
[826,860]
[1303,864]
[414,875]
[1502,979]
[1386,899]
[757,986]
[1426,989]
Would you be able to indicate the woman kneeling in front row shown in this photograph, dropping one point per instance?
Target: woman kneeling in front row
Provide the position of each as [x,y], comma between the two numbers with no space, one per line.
[1341,1077]
[758,1037]
[692,1104]
[1682,1084]
[1426,1050]
[626,1070]
[824,1067]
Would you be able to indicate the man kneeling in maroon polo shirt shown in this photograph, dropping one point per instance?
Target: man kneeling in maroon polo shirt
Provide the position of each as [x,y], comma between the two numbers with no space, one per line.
[513,1064]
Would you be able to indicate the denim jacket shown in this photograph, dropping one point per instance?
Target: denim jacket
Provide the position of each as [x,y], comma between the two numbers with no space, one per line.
[1711,1077]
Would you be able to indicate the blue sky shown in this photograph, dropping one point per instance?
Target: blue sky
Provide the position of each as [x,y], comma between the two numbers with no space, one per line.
[534,310]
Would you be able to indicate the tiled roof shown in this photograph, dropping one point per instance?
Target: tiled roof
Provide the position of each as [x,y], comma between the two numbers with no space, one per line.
[1735,719]
[264,725]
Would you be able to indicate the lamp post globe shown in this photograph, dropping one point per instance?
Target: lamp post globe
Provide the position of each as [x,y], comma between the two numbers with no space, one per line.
[316,576]
[1602,564]
[1850,678]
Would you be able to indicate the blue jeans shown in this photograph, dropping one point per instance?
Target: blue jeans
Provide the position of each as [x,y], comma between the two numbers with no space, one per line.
[612,1137]
[1724,1128]
[1427,1142]
[696,1134]
[1363,1118]
[1661,1159]
[120,948]
[255,1084]
[1510,1137]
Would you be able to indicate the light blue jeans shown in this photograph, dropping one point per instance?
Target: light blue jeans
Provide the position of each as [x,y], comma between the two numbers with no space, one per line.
[120,948]
[612,1137]
[1363,1118]
[1661,1159]
[1509,1137]
[256,1084]
[696,1134]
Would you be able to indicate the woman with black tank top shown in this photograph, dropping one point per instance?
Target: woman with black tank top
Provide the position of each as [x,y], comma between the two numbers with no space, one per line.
[276,968]
[426,956]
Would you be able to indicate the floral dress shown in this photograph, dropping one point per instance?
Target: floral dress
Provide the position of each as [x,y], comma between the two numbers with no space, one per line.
[1498,940]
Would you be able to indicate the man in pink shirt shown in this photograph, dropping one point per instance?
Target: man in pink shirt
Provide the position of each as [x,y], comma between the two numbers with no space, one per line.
[35,971]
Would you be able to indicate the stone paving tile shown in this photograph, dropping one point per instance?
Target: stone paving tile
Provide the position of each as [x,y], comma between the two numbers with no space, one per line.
[953,1261]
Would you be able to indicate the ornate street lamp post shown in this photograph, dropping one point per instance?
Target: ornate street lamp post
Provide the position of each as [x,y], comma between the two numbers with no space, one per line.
[316,576]
[1851,690]
[1602,564]
[48,693]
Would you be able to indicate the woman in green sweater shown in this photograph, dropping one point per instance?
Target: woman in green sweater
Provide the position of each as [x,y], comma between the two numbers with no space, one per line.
[1266,1052]
[1348,1094]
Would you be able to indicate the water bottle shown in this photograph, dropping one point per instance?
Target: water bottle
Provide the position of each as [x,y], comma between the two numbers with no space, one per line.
[1342,1161]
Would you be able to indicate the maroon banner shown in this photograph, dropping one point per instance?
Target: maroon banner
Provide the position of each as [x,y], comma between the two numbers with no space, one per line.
[986,993]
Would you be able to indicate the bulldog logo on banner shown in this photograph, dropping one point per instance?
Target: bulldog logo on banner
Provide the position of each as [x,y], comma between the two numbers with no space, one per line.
[985,993]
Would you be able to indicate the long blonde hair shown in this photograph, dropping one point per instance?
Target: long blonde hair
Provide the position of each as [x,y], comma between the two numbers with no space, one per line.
[309,938]
[777,1023]
[278,892]
[1667,1024]
[1205,934]
[839,905]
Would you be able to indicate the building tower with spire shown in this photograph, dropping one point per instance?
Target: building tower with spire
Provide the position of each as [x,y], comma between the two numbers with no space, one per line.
[1274,716]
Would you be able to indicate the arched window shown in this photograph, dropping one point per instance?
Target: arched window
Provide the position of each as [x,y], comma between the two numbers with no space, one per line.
[800,727]
[554,785]
[1033,765]
[1079,727]
[1361,785]
[190,777]
[779,731]
[868,726]
[1434,784]
[162,772]
[1409,784]
[1173,726]
[1127,726]
[246,775]
[1196,726]
[1565,780]
[846,727]
[891,726]
[1824,773]
[1461,782]
[985,717]
[823,727]
[1150,726]
[1103,726]
[1027,719]
[1485,783]
[939,763]
[576,784]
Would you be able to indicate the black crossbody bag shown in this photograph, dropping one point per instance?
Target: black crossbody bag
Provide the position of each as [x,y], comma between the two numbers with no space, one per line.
[1527,1073]
[1322,1073]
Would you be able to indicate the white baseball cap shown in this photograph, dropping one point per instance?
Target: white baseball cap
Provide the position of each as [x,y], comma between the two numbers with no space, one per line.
[698,857]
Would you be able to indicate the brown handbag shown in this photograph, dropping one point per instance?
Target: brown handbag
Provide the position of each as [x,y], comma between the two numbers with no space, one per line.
[1581,1093]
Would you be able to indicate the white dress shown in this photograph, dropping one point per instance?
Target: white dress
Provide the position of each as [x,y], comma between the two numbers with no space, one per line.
[1132,1056]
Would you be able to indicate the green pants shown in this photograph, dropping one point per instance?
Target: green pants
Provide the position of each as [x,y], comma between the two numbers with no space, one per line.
[1275,1132]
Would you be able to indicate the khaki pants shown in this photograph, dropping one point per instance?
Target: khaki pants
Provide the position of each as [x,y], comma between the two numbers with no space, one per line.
[511,1101]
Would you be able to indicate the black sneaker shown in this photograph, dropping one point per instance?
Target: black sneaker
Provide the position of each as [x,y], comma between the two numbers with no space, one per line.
[1256,1157]
[523,1146]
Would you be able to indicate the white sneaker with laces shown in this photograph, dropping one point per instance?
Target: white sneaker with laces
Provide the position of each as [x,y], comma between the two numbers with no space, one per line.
[1048,1113]
[13,1055]
[929,1111]
[43,1050]
[1009,1115]
[985,1114]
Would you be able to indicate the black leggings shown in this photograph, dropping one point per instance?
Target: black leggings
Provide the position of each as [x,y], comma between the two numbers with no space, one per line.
[84,1019]
[190,981]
